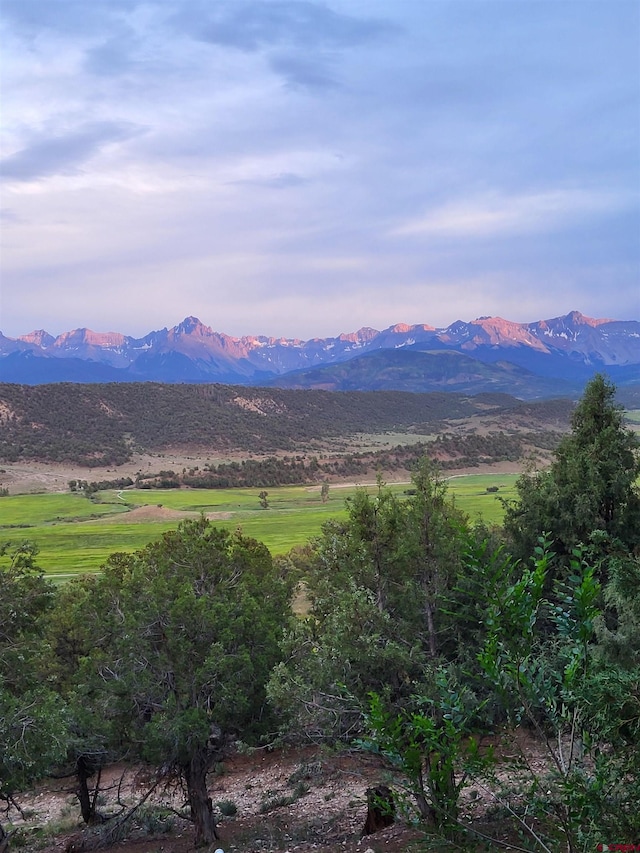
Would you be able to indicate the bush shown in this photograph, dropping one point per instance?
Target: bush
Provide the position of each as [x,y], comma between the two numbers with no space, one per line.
[227,808]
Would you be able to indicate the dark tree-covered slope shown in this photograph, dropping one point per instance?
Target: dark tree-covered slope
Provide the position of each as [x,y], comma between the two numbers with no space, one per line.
[424,372]
[103,424]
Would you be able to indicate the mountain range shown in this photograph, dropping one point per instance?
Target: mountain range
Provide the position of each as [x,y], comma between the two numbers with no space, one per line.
[529,360]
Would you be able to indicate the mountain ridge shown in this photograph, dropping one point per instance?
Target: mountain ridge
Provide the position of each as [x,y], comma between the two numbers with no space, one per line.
[569,348]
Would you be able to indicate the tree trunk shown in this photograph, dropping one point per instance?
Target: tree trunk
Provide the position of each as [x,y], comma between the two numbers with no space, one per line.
[381,809]
[86,768]
[4,840]
[425,810]
[83,773]
[195,774]
[431,629]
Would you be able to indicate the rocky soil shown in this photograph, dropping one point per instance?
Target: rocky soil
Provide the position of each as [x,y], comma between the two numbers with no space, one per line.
[298,800]
[295,801]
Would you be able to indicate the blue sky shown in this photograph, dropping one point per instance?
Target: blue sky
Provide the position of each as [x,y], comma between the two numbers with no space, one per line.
[302,168]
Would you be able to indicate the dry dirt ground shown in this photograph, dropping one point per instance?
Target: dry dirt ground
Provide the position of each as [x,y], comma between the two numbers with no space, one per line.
[296,800]
[300,800]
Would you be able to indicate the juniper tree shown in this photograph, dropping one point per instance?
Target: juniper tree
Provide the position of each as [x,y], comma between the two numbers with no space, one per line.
[33,724]
[591,486]
[190,629]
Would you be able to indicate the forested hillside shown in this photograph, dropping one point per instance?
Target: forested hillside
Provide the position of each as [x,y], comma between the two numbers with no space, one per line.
[102,425]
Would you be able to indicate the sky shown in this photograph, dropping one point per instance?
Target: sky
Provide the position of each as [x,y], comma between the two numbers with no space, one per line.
[300,169]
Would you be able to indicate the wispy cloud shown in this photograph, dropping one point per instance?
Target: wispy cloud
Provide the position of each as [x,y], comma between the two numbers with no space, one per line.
[8,215]
[64,153]
[304,72]
[252,25]
[115,55]
[64,16]
[282,181]
[297,36]
[497,215]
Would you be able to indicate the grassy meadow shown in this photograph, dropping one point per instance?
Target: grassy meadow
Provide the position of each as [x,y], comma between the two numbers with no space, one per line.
[76,535]
[632,418]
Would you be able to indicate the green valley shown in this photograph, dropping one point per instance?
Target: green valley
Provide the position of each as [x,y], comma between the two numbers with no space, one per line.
[76,535]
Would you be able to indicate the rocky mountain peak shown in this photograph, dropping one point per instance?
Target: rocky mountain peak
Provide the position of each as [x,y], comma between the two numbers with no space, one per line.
[362,335]
[38,338]
[193,352]
[575,318]
[192,326]
[88,338]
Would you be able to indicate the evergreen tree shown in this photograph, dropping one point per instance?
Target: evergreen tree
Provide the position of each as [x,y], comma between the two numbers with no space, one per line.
[187,631]
[379,585]
[591,485]
[33,724]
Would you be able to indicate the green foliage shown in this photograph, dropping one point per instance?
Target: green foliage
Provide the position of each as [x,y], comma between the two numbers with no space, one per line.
[33,733]
[80,632]
[175,650]
[510,647]
[591,486]
[376,583]
[432,748]
[25,595]
[465,610]
[33,719]
[185,634]
[618,626]
[227,808]
[433,546]
[554,683]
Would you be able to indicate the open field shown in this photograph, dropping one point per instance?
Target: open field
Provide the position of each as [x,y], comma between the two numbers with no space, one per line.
[632,418]
[471,495]
[76,535]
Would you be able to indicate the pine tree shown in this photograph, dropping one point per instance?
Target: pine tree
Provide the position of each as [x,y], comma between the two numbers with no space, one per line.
[591,486]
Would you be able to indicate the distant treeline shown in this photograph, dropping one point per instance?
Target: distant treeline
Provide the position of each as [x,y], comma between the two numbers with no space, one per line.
[448,451]
[103,425]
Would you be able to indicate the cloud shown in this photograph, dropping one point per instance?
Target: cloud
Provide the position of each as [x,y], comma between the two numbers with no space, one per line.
[252,25]
[9,215]
[303,72]
[296,35]
[321,163]
[114,56]
[497,215]
[282,181]
[63,154]
[63,16]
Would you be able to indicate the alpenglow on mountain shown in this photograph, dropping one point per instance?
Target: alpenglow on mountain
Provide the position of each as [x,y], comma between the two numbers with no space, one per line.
[543,358]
